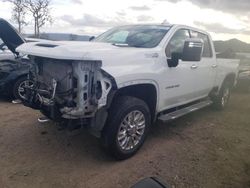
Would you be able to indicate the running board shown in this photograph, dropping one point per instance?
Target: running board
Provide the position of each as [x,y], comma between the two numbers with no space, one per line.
[176,114]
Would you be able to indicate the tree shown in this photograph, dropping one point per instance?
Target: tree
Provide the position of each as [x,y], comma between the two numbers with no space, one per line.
[41,13]
[18,13]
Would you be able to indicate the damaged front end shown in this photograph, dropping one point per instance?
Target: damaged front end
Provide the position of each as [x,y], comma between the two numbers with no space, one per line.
[68,89]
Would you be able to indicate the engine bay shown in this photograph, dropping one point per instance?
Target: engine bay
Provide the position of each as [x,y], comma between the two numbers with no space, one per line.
[71,89]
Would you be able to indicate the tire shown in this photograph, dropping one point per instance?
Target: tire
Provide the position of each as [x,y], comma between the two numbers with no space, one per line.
[17,92]
[125,110]
[221,101]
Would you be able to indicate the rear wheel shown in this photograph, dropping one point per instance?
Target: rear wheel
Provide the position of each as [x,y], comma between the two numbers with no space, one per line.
[221,101]
[126,128]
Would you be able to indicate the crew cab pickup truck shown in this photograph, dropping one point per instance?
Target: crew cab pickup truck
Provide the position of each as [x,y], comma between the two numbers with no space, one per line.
[120,83]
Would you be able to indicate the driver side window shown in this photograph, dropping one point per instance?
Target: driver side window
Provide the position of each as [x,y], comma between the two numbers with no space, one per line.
[176,44]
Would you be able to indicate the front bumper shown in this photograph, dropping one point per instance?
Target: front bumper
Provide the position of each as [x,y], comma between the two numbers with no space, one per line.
[2,86]
[5,88]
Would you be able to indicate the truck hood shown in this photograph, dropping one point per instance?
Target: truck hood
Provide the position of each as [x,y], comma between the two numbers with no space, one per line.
[80,50]
[10,36]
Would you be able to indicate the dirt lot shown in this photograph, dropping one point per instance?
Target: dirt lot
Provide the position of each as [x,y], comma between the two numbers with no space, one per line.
[204,149]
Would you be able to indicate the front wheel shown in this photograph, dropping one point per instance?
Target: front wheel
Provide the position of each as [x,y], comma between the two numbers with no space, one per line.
[127,126]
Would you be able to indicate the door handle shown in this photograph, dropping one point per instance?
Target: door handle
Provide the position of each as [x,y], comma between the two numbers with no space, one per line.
[194,67]
[214,66]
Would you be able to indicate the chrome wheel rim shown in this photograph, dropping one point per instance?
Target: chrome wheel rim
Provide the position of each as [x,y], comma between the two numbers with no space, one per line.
[22,86]
[131,130]
[225,97]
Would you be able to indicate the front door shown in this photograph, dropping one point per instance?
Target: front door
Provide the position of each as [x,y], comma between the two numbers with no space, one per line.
[177,87]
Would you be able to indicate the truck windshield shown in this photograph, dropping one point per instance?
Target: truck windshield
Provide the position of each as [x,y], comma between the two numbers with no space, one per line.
[143,36]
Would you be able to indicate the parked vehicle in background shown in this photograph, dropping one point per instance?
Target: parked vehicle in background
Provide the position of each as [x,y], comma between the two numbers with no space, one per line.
[14,67]
[13,77]
[119,84]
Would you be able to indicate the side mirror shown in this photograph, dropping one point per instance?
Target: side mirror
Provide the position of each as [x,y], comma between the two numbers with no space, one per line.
[91,38]
[174,61]
[193,49]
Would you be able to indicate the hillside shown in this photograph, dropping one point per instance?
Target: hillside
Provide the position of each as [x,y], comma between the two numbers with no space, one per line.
[233,44]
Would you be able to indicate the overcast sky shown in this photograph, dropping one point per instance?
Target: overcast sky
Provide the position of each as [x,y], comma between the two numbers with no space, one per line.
[224,19]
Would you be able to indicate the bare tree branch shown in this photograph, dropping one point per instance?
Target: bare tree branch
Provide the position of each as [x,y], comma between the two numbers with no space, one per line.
[18,13]
[41,13]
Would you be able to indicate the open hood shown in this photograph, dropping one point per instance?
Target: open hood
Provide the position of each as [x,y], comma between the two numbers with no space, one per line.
[10,36]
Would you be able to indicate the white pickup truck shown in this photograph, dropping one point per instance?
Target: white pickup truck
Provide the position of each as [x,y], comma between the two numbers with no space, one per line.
[120,83]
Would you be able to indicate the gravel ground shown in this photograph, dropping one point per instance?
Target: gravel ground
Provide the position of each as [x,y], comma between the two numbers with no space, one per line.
[204,149]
